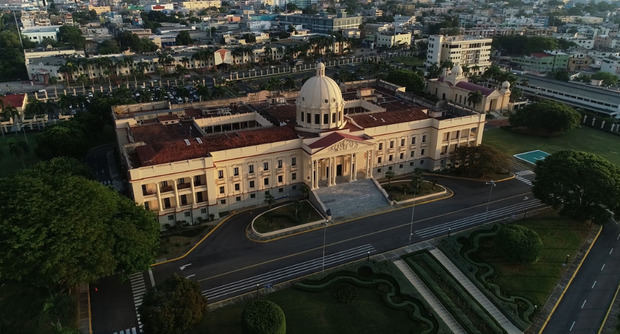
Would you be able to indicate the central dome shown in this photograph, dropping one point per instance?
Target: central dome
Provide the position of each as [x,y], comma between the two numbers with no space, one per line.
[320,105]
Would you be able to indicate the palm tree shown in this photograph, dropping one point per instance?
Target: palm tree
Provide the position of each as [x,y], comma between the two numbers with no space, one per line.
[475,97]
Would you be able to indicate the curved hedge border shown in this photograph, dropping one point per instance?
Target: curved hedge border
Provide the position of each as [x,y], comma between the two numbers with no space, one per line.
[386,284]
[518,309]
[465,309]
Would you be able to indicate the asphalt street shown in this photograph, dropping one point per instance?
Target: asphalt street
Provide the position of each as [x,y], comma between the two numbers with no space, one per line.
[227,256]
[586,301]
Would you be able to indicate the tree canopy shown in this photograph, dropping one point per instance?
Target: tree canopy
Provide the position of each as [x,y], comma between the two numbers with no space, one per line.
[411,80]
[129,40]
[58,228]
[524,45]
[183,38]
[71,35]
[263,317]
[174,307]
[546,117]
[519,243]
[108,46]
[581,185]
[480,161]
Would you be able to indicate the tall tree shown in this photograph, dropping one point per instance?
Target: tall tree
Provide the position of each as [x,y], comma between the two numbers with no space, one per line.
[71,35]
[474,97]
[174,308]
[183,38]
[546,117]
[480,161]
[58,229]
[581,185]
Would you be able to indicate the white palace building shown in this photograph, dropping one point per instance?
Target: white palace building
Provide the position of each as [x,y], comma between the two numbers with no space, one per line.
[201,160]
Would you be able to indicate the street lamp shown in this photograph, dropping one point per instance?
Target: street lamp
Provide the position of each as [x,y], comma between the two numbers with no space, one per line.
[329,218]
[412,213]
[492,183]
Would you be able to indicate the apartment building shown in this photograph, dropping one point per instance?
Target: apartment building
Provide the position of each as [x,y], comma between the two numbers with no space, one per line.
[323,23]
[202,160]
[470,51]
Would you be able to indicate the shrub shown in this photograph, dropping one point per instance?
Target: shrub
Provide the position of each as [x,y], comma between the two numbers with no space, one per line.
[263,317]
[344,293]
[519,243]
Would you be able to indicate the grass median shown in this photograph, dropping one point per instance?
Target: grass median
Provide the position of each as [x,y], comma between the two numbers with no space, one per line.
[285,216]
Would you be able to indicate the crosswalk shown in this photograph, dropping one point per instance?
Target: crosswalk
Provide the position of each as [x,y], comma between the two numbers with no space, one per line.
[131,330]
[524,176]
[466,222]
[138,290]
[275,276]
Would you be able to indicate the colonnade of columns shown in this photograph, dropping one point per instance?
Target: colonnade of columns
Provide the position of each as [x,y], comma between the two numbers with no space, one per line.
[325,169]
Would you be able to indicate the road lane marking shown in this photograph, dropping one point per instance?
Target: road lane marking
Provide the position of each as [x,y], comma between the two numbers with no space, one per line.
[584,303]
[603,267]
[571,327]
[593,284]
[184,266]
[611,250]
[190,276]
[618,237]
[388,229]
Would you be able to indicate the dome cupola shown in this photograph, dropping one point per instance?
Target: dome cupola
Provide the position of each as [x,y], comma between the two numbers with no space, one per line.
[320,105]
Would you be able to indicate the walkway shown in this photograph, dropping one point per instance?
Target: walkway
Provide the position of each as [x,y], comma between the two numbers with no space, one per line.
[352,199]
[473,290]
[432,301]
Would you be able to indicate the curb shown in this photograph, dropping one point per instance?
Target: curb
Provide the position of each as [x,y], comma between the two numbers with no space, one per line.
[447,196]
[583,259]
[611,306]
[225,219]
[470,179]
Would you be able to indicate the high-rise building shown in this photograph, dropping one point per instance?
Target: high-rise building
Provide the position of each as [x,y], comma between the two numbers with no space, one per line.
[473,52]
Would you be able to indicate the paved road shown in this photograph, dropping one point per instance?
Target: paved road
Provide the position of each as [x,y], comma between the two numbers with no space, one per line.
[586,301]
[229,257]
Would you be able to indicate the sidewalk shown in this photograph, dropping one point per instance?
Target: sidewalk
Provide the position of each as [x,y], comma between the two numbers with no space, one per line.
[473,290]
[84,322]
[434,303]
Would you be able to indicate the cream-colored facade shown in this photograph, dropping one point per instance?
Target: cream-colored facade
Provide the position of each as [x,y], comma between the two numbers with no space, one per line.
[201,4]
[473,52]
[454,87]
[200,161]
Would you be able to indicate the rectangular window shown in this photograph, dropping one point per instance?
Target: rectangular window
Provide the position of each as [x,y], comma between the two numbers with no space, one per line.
[308,118]
[183,199]
[424,138]
[412,154]
[294,176]
[302,117]
[444,149]
[293,161]
[167,203]
[220,174]
[251,169]
[391,144]
[197,180]
[390,157]
[187,214]
[280,178]
[402,156]
[252,195]
[171,217]
[146,205]
[325,119]
[422,152]
[281,190]
[181,181]
[221,189]
[446,136]
[199,197]
[251,184]
[238,198]
[380,146]
[203,210]
[237,187]
[317,119]
[265,166]
[236,171]
[279,163]
[402,142]
[266,181]
[379,160]
[222,201]
[334,118]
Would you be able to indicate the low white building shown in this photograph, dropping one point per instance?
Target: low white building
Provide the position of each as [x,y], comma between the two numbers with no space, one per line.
[611,65]
[388,39]
[38,33]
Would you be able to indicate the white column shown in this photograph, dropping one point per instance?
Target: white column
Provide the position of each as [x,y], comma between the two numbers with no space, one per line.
[351,177]
[312,184]
[329,172]
[176,194]
[191,180]
[161,207]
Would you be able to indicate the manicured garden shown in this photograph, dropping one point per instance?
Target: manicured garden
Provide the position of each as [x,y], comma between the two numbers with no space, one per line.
[403,190]
[17,152]
[518,289]
[288,215]
[362,298]
[463,307]
[581,139]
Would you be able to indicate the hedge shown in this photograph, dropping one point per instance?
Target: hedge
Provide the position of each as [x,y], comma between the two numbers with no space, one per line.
[263,317]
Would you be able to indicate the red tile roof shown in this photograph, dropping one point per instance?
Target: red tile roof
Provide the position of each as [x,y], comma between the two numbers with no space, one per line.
[164,145]
[15,100]
[472,87]
[388,117]
[332,139]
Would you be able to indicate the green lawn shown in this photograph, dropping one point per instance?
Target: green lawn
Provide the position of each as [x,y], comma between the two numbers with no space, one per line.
[10,163]
[285,216]
[312,312]
[399,191]
[409,60]
[560,236]
[582,139]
